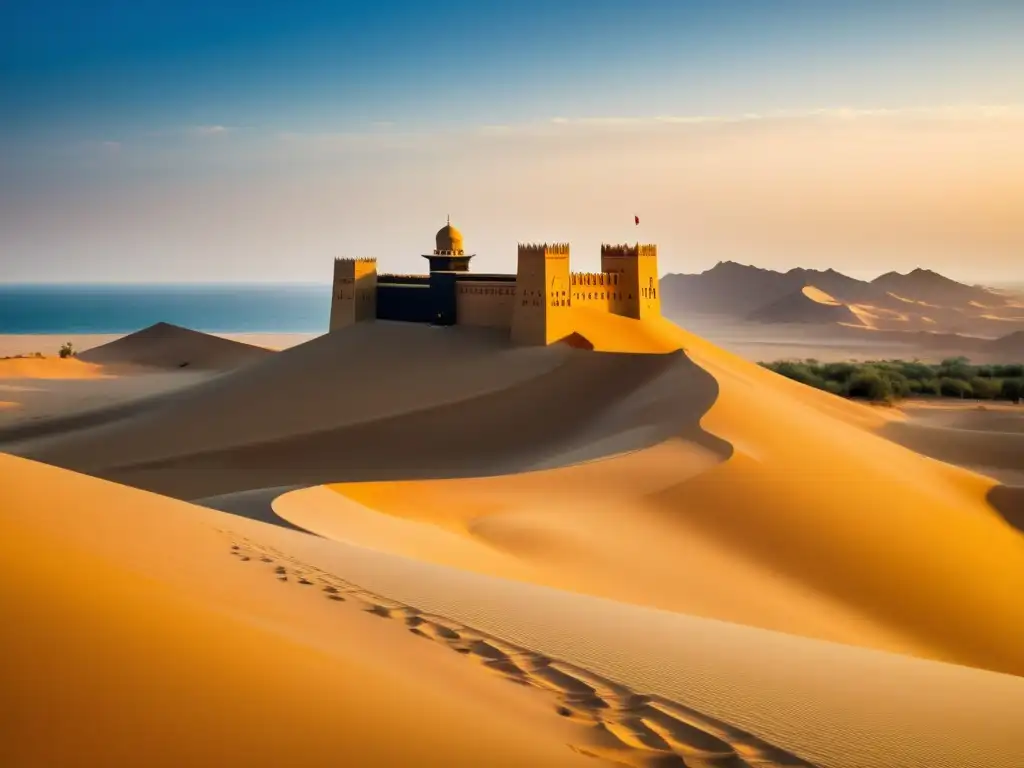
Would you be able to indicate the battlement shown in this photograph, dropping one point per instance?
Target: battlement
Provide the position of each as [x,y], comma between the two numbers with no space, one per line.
[593,278]
[371,260]
[449,253]
[628,251]
[543,249]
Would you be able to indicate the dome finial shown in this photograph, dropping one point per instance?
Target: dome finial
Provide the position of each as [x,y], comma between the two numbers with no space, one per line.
[449,219]
[449,239]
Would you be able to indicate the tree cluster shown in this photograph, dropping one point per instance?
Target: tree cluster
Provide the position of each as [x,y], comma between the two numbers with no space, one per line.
[890,380]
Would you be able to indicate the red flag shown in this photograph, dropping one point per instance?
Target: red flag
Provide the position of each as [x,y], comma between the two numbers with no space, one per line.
[636,219]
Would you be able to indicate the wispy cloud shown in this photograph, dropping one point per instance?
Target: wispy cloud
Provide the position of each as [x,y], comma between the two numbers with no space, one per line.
[208,130]
[955,112]
[387,136]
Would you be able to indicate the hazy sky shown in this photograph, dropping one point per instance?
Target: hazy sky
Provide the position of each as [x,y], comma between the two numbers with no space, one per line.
[177,141]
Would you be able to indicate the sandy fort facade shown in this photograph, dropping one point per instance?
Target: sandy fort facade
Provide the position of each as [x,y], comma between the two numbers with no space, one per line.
[534,305]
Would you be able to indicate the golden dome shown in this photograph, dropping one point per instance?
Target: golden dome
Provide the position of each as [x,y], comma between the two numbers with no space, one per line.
[448,239]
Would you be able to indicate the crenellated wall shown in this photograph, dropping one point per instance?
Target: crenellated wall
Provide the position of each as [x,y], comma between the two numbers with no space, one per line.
[599,290]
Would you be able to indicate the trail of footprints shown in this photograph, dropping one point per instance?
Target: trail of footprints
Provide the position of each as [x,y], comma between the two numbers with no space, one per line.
[617,724]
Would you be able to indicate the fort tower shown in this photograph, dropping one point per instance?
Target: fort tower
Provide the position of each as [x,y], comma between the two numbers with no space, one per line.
[637,266]
[354,298]
[542,311]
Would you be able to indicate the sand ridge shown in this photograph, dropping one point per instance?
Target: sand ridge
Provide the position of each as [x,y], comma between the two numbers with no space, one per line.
[615,722]
[51,368]
[795,522]
[330,683]
[170,638]
[536,401]
[786,520]
[655,541]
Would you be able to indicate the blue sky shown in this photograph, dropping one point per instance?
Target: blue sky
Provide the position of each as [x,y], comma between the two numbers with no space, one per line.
[155,83]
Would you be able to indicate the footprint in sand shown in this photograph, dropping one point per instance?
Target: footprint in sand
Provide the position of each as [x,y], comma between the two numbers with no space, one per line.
[617,724]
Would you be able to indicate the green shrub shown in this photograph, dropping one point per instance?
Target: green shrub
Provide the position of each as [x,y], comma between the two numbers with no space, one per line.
[67,350]
[984,389]
[949,387]
[835,388]
[869,385]
[1012,390]
[799,372]
[882,380]
[1011,371]
[958,368]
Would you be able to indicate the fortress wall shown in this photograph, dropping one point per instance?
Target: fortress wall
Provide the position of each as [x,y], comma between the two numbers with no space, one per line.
[406,303]
[486,304]
[600,290]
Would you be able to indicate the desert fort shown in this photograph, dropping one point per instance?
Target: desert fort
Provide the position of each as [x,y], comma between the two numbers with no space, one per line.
[533,305]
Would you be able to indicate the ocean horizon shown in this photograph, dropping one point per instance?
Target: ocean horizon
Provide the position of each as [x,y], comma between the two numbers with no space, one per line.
[124,308]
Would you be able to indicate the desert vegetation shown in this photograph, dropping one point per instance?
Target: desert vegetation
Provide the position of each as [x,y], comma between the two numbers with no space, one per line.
[890,380]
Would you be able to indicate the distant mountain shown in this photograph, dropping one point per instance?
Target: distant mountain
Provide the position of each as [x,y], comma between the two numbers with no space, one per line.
[727,288]
[739,290]
[806,305]
[1012,344]
[933,288]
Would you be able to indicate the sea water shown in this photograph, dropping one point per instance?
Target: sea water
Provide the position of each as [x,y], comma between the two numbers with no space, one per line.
[221,308]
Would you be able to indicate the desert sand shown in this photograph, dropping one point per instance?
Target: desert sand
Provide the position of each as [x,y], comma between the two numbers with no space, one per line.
[116,372]
[49,344]
[678,555]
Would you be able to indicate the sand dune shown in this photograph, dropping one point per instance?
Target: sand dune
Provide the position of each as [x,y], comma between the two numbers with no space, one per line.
[971,415]
[180,656]
[677,555]
[169,346]
[477,407]
[270,649]
[50,368]
[807,305]
[778,533]
[717,515]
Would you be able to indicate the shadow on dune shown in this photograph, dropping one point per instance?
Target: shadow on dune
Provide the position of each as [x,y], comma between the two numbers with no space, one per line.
[571,406]
[964,447]
[1008,501]
[255,504]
